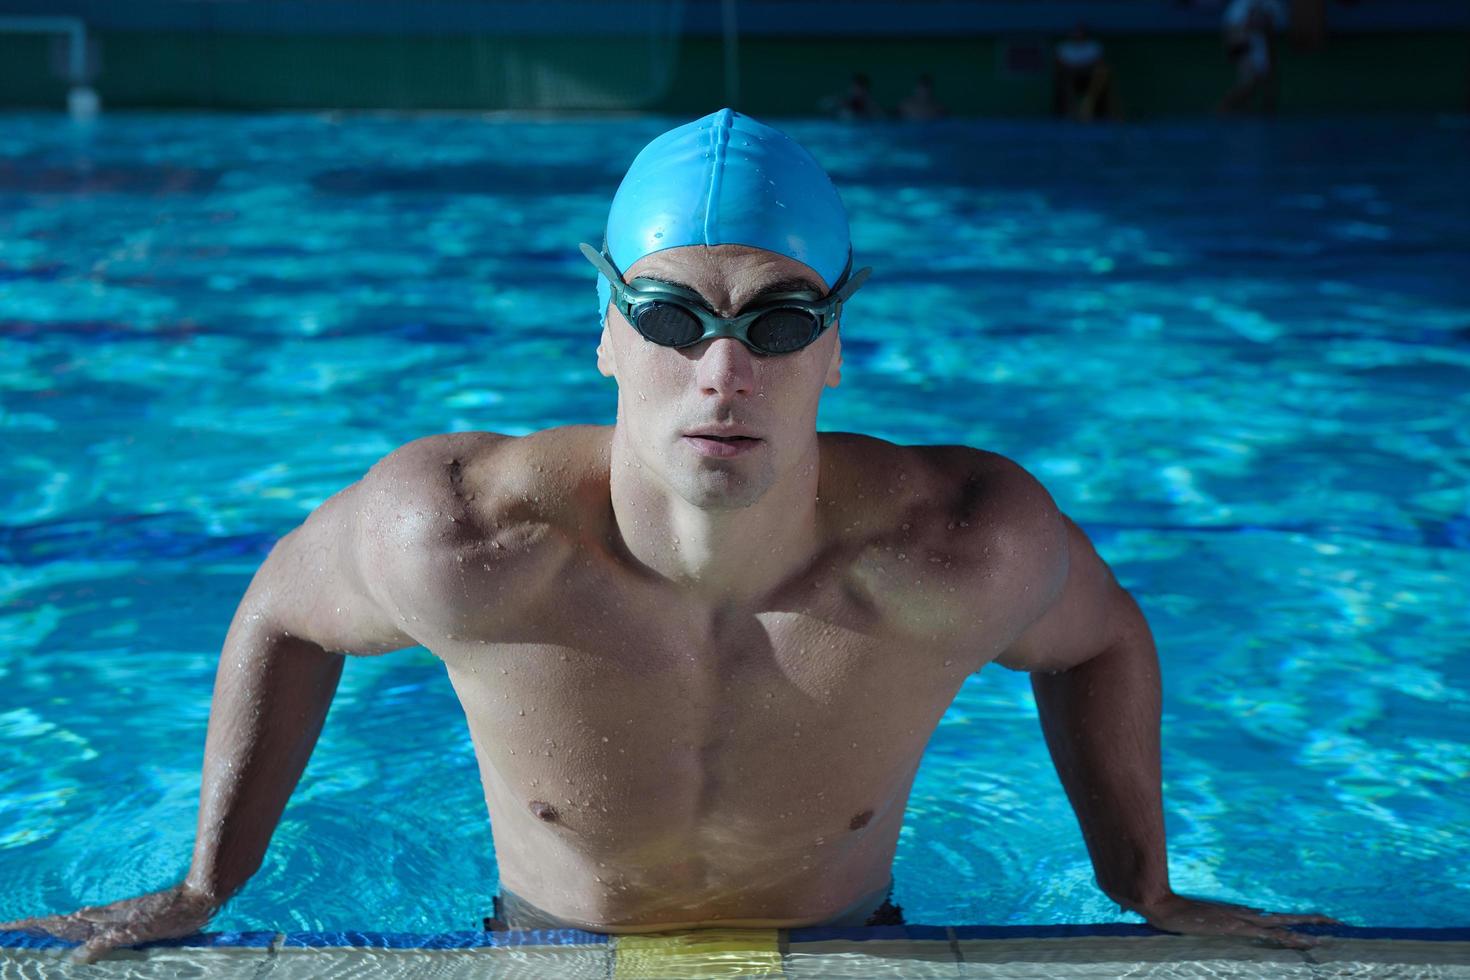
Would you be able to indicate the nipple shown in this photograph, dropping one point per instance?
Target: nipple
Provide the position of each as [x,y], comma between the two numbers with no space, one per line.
[543,810]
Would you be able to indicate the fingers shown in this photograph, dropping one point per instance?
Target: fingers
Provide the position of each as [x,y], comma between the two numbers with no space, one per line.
[1313,919]
[102,943]
[1287,918]
[94,949]
[1242,925]
[1289,939]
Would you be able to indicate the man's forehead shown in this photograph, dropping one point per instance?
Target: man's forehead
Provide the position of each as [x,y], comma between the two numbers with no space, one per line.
[737,268]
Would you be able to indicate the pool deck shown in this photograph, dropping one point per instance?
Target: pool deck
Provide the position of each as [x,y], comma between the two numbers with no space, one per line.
[1107,950]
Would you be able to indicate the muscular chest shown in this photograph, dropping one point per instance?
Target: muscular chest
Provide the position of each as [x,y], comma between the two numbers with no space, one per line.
[619,702]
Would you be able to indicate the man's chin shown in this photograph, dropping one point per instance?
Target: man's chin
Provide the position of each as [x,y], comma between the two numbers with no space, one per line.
[719,488]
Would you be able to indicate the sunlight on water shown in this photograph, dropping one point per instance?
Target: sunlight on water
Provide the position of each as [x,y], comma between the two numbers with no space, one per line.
[1237,355]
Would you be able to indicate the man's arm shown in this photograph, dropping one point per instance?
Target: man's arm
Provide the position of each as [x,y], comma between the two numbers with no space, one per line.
[316,595]
[1095,674]
[311,601]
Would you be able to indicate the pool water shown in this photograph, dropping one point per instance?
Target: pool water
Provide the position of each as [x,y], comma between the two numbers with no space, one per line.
[1238,354]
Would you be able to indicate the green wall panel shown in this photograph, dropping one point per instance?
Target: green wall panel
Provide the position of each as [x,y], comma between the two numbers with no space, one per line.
[1157,75]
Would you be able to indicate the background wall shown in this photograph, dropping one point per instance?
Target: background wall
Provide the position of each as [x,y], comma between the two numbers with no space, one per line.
[987,58]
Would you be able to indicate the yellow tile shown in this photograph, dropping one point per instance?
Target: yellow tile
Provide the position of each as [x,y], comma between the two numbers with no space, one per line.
[698,953]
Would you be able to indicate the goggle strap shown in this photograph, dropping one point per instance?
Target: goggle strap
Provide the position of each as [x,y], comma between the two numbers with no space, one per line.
[602,265]
[852,284]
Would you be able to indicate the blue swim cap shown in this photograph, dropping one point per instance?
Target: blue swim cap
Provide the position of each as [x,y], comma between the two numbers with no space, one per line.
[726,179]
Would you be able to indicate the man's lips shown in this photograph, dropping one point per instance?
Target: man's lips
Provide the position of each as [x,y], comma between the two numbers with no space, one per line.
[721,446]
[722,432]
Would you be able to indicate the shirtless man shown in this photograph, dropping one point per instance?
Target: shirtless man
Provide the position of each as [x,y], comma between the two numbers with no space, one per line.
[700,651]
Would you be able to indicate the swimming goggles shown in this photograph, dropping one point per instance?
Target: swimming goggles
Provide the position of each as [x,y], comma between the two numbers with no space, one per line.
[677,317]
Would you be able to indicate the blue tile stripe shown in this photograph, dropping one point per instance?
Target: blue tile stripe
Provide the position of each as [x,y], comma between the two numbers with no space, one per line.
[261,940]
[444,940]
[578,937]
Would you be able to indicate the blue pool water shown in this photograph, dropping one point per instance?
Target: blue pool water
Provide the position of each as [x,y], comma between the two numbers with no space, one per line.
[1238,354]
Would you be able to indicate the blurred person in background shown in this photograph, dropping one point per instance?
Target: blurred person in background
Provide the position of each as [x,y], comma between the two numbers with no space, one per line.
[921,104]
[1082,82]
[858,103]
[1248,27]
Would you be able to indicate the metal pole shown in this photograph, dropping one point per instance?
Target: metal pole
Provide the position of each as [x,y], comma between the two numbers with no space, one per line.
[71,26]
[732,53]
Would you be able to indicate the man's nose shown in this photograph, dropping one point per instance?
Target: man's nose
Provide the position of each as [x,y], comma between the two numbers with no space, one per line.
[726,368]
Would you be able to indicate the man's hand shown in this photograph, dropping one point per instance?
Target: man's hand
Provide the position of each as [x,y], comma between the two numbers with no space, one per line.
[1202,917]
[168,914]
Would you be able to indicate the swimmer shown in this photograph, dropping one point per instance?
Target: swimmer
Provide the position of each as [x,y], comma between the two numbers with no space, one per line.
[700,651]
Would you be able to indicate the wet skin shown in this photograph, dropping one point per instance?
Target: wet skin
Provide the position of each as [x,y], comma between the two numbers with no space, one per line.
[655,760]
[698,687]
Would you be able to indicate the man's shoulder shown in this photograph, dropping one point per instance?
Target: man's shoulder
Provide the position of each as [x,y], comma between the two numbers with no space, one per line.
[1001,503]
[466,488]
[484,466]
[463,513]
[961,483]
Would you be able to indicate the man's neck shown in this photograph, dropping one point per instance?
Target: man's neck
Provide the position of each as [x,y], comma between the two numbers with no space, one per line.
[728,557]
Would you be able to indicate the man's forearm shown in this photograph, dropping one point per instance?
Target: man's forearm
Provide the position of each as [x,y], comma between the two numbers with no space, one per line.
[1101,720]
[271,695]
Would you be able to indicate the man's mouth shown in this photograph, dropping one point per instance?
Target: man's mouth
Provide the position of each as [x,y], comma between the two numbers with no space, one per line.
[722,447]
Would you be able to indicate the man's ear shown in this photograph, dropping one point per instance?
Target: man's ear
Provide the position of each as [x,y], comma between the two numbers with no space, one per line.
[834,367]
[606,366]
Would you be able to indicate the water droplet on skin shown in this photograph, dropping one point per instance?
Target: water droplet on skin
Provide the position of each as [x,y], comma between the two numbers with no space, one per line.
[905,527]
[948,662]
[854,745]
[604,738]
[522,712]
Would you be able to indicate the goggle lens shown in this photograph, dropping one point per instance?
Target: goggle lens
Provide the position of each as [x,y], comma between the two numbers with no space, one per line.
[783,330]
[779,331]
[668,324]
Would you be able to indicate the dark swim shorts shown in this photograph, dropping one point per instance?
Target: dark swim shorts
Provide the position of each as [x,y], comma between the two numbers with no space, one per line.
[514,912]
